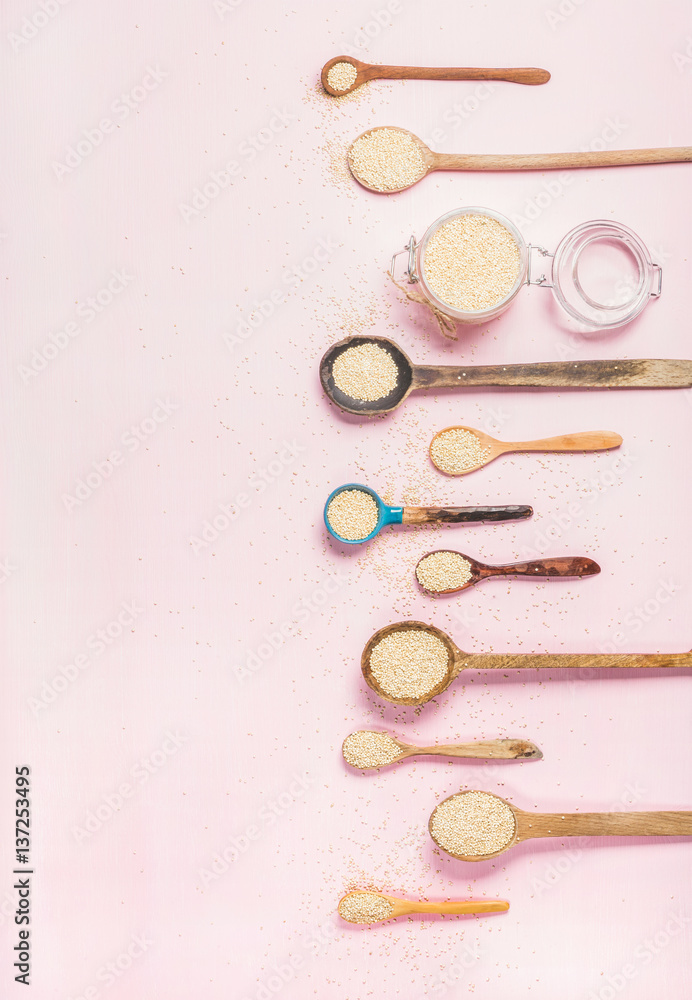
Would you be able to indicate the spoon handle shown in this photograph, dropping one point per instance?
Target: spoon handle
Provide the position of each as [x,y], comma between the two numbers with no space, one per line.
[572,661]
[585,441]
[530,75]
[461,906]
[639,373]
[608,824]
[456,515]
[561,161]
[485,750]
[560,566]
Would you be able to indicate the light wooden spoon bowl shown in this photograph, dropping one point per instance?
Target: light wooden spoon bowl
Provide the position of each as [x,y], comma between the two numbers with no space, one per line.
[406,907]
[532,826]
[368,71]
[504,749]
[492,448]
[458,660]
[432,161]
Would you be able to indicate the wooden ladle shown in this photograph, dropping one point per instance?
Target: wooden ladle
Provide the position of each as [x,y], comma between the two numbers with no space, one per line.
[506,749]
[492,448]
[429,161]
[627,374]
[367,71]
[532,826]
[458,660]
[562,566]
[405,907]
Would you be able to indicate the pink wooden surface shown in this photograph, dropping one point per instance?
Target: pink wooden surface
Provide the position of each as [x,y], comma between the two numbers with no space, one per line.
[243,640]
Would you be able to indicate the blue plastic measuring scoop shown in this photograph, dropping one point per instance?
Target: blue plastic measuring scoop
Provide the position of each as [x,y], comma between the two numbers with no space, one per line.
[423,515]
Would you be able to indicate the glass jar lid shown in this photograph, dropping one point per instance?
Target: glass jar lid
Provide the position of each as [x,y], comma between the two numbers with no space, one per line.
[602,274]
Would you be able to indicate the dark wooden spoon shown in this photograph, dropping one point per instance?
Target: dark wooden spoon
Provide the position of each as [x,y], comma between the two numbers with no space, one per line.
[563,566]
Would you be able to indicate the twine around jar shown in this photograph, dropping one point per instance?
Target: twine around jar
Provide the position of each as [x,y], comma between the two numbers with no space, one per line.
[446,323]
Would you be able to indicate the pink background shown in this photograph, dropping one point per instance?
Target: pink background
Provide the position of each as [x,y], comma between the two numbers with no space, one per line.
[580,914]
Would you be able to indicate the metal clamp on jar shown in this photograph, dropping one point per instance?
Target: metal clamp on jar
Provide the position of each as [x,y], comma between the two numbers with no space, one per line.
[601,274]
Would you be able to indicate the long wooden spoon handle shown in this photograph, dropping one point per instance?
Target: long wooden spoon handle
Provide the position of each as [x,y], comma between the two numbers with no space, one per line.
[618,824]
[530,75]
[486,750]
[456,515]
[561,161]
[585,441]
[560,566]
[462,906]
[572,661]
[634,374]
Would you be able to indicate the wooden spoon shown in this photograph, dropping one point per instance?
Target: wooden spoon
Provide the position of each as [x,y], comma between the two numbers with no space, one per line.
[563,566]
[506,749]
[404,907]
[531,826]
[367,71]
[627,374]
[523,161]
[458,660]
[492,448]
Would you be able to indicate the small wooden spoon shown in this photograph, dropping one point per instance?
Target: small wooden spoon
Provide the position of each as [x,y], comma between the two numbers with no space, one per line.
[492,448]
[458,660]
[526,161]
[506,749]
[627,374]
[563,566]
[404,907]
[369,71]
[532,826]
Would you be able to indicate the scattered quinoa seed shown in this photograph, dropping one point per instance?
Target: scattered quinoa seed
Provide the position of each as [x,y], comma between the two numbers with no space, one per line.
[353,514]
[367,749]
[409,663]
[365,372]
[362,907]
[442,571]
[473,824]
[342,76]
[457,450]
[471,262]
[386,159]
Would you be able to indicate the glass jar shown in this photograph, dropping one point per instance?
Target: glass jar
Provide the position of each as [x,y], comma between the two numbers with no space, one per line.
[601,274]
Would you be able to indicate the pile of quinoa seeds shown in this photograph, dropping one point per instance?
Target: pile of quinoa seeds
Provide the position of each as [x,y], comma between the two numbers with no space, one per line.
[365,372]
[386,159]
[366,749]
[458,450]
[442,571]
[342,76]
[363,907]
[409,663]
[471,262]
[473,824]
[353,514]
